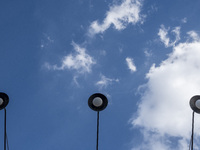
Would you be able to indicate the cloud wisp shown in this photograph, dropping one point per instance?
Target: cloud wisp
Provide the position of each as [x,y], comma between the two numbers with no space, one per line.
[104,81]
[119,16]
[193,35]
[130,64]
[164,112]
[46,41]
[80,61]
[163,34]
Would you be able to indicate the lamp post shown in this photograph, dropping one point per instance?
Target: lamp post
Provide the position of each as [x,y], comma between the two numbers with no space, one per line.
[195,106]
[4,100]
[97,102]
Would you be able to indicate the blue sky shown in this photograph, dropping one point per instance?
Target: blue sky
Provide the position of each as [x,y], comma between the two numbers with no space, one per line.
[143,55]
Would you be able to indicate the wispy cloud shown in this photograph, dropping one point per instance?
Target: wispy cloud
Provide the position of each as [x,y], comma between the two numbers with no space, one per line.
[46,41]
[130,64]
[148,53]
[104,81]
[164,112]
[184,20]
[164,36]
[119,16]
[193,35]
[79,61]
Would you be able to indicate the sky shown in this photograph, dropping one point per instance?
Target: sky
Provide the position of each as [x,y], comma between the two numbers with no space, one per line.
[142,55]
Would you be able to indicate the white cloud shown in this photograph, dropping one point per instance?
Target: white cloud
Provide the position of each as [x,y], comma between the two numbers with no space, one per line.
[119,16]
[75,81]
[104,81]
[79,61]
[163,34]
[193,35]
[184,20]
[130,64]
[148,53]
[164,110]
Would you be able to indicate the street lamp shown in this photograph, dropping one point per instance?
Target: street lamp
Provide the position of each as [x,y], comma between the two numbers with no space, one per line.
[4,100]
[97,102]
[195,105]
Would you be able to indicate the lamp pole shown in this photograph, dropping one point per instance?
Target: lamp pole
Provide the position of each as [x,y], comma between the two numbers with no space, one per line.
[5,129]
[195,106]
[4,100]
[97,145]
[97,102]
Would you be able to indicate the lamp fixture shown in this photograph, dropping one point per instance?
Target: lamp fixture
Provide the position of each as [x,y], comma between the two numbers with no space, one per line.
[97,102]
[4,100]
[195,103]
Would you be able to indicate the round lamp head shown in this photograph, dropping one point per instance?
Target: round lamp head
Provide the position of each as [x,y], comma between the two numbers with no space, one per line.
[195,103]
[4,99]
[97,102]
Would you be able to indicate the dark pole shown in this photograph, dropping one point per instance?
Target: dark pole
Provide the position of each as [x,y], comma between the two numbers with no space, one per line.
[97,146]
[192,137]
[97,102]
[195,105]
[5,130]
[4,102]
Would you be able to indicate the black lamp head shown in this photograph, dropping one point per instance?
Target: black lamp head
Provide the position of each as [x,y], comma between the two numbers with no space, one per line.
[195,103]
[4,100]
[97,102]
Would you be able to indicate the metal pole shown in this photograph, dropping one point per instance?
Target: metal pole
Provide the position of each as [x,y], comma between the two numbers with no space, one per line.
[192,137]
[5,129]
[97,146]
